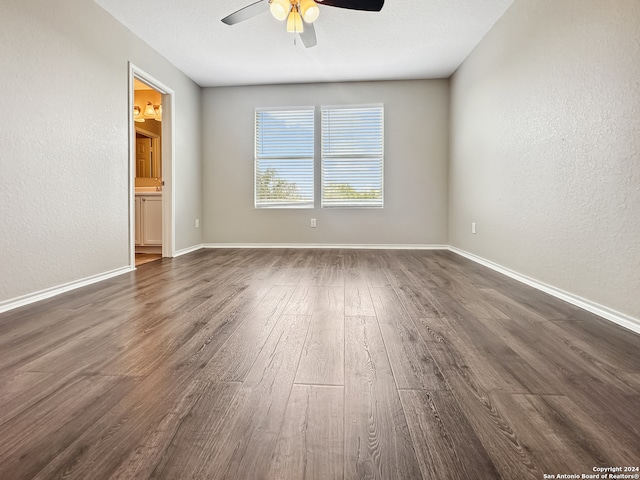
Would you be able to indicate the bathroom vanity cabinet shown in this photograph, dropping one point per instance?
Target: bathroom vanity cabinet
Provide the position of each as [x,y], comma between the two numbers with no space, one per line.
[149,219]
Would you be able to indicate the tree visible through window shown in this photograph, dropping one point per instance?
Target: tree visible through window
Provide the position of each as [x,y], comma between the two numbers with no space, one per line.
[284,155]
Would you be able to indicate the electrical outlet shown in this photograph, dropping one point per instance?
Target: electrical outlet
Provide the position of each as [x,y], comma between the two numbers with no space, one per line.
[197,223]
[313,223]
[473,227]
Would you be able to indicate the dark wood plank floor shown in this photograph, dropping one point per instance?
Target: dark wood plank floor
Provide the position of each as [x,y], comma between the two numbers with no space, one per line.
[314,364]
[142,258]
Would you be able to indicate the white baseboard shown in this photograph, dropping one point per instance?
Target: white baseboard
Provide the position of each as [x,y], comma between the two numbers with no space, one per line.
[184,251]
[607,313]
[57,290]
[329,246]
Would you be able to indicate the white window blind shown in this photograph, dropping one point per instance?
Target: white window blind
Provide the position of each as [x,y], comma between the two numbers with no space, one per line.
[284,150]
[352,156]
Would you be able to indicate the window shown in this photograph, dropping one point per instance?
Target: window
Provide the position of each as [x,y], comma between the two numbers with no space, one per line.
[352,156]
[284,155]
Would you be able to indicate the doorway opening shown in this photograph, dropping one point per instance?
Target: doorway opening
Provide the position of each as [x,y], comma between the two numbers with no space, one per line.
[151,154]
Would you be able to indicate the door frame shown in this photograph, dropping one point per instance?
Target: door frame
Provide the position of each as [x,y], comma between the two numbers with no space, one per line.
[168,164]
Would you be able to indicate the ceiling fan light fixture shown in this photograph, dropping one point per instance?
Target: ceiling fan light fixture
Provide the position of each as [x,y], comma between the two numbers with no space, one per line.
[280,9]
[294,22]
[309,10]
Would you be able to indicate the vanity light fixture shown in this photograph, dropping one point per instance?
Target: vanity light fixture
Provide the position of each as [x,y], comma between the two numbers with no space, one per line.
[149,111]
[136,115]
[152,112]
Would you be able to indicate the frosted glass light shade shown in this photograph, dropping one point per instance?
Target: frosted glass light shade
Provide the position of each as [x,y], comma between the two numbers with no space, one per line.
[149,111]
[136,114]
[280,9]
[309,10]
[294,22]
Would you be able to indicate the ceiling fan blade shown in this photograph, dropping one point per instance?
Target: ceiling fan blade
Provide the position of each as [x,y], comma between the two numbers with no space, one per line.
[368,5]
[247,12]
[308,35]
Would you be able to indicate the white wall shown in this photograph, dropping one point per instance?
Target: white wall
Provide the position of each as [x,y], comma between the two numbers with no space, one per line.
[416,143]
[64,197]
[545,150]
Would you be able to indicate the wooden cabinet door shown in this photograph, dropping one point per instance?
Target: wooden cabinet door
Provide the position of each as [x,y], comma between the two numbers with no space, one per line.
[152,220]
[138,214]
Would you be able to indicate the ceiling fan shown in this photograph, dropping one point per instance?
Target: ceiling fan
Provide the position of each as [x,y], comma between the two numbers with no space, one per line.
[300,14]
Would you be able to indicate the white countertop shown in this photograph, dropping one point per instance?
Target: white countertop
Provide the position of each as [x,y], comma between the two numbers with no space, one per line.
[147,191]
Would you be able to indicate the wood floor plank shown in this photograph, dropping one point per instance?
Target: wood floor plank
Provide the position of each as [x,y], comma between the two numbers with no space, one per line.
[446,445]
[179,444]
[509,364]
[511,308]
[20,390]
[310,445]
[397,276]
[557,443]
[615,352]
[457,355]
[303,300]
[25,343]
[41,434]
[152,341]
[358,301]
[546,351]
[244,444]
[100,449]
[312,275]
[594,429]
[232,361]
[507,450]
[538,303]
[289,276]
[377,439]
[94,346]
[333,276]
[322,361]
[211,326]
[356,293]
[411,361]
[418,301]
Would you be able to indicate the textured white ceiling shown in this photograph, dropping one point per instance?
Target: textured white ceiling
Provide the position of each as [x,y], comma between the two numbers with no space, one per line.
[408,39]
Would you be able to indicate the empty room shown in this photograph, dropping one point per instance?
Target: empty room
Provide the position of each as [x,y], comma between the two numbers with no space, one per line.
[305,239]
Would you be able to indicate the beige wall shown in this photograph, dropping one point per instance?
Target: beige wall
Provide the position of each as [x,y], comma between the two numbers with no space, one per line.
[64,139]
[545,150]
[416,142]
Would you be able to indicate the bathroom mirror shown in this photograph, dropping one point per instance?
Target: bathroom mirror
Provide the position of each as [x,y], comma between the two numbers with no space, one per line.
[147,115]
[148,155]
